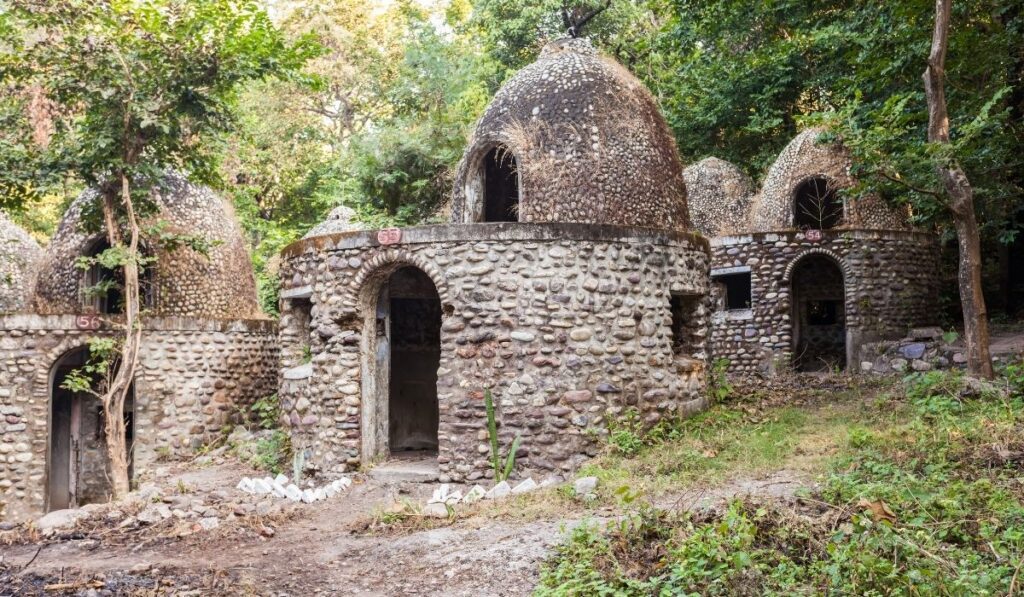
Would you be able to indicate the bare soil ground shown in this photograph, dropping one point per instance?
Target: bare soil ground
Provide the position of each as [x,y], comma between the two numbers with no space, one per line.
[326,548]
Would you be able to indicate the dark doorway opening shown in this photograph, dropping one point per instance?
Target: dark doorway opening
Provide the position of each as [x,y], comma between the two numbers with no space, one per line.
[78,471]
[501,186]
[415,332]
[819,317]
[816,205]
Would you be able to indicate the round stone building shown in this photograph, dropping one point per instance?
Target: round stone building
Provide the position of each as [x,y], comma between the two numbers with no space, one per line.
[206,353]
[804,276]
[567,286]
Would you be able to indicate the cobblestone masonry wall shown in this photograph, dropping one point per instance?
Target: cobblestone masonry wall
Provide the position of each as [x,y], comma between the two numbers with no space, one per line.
[890,279]
[195,376]
[567,324]
[19,259]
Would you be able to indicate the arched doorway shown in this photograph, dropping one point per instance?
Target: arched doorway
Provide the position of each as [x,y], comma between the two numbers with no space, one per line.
[78,472]
[402,352]
[501,186]
[816,205]
[819,314]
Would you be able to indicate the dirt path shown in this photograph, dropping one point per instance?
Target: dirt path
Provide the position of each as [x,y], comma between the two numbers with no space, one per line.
[324,549]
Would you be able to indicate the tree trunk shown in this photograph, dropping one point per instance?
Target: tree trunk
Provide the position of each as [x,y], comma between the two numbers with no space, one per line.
[961,201]
[120,385]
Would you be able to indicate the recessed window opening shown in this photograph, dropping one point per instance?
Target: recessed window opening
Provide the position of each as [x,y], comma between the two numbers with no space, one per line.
[102,288]
[734,291]
[816,205]
[300,326]
[684,318]
[501,186]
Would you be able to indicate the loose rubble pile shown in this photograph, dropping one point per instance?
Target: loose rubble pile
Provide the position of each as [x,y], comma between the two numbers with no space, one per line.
[280,487]
[924,349]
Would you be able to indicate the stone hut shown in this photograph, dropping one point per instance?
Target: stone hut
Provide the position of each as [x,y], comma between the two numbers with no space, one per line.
[567,286]
[19,259]
[207,353]
[810,276]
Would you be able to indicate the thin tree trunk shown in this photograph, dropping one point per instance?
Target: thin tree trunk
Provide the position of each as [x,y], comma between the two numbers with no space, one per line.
[120,386]
[961,202]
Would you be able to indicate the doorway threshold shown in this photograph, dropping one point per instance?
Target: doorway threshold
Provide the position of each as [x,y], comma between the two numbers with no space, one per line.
[408,467]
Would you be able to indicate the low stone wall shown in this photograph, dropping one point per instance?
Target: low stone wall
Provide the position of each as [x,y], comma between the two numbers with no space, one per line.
[195,376]
[922,350]
[890,280]
[568,325]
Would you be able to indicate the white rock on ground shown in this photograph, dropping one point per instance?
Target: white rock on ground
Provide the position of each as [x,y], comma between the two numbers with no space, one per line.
[499,491]
[282,479]
[585,486]
[475,494]
[60,519]
[436,510]
[525,486]
[293,493]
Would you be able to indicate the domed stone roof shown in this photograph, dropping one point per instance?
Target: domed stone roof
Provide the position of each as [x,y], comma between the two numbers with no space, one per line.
[339,220]
[19,260]
[719,195]
[573,137]
[182,282]
[810,162]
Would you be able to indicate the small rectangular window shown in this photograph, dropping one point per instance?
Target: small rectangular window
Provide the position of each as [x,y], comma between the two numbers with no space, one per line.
[733,290]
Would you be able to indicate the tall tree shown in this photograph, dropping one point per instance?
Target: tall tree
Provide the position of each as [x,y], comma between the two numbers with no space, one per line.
[134,89]
[960,199]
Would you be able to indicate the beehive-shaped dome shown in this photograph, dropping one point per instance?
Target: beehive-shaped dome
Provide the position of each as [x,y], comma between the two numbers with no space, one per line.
[573,137]
[182,282]
[801,189]
[719,195]
[19,259]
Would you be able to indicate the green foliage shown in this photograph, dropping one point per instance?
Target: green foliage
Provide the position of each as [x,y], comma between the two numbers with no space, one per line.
[94,375]
[267,411]
[927,505]
[719,387]
[502,467]
[272,452]
[626,433]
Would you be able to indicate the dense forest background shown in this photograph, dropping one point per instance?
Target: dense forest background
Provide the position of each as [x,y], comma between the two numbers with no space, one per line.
[381,115]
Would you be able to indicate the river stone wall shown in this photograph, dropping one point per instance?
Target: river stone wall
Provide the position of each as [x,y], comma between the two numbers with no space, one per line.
[195,376]
[890,286]
[567,324]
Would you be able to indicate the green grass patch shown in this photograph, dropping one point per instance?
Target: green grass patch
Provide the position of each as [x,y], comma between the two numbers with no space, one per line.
[922,496]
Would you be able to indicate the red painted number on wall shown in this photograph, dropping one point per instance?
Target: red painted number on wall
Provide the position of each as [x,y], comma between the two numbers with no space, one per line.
[389,236]
[813,235]
[88,322]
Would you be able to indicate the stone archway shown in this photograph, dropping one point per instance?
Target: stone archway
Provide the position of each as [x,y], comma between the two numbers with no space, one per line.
[401,352]
[819,314]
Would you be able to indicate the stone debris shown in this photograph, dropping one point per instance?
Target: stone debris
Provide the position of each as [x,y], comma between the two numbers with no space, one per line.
[525,486]
[585,487]
[280,487]
[499,491]
[475,494]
